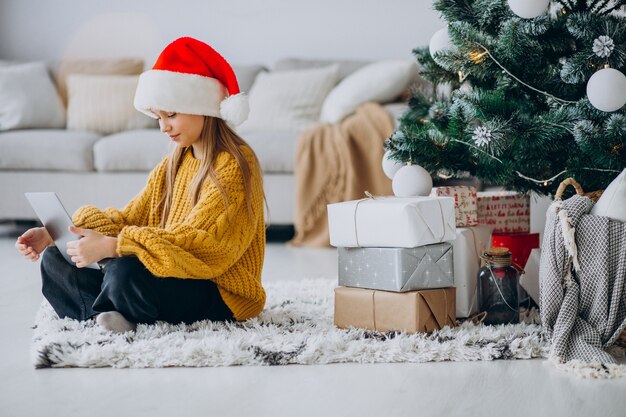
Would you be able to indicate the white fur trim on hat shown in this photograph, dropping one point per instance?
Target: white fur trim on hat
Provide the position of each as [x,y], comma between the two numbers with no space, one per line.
[179,92]
[235,109]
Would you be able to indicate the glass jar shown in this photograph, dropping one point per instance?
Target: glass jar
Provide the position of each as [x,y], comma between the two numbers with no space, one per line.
[498,287]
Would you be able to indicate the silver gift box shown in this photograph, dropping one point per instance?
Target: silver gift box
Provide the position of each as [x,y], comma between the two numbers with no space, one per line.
[397,269]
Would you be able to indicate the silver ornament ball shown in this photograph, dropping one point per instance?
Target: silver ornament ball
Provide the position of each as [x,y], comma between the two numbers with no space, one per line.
[440,42]
[529,9]
[390,167]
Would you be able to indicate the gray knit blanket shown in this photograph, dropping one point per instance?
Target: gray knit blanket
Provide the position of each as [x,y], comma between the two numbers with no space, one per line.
[582,279]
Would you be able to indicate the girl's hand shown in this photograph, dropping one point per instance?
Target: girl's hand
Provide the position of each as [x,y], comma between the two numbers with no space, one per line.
[33,242]
[91,248]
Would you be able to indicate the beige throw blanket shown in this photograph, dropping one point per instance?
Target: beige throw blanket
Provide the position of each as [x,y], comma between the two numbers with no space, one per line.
[338,162]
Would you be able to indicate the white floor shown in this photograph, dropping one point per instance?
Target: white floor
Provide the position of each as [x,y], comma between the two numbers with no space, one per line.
[499,388]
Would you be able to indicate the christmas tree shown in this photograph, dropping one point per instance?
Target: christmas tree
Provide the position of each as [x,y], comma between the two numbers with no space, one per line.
[538,93]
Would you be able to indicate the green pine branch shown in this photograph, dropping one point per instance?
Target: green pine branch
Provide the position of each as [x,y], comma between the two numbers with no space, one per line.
[518,114]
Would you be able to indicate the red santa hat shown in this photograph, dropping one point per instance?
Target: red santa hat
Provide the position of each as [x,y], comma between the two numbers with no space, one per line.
[191,77]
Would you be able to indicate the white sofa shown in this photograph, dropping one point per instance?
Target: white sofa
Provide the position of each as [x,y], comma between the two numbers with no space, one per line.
[108,170]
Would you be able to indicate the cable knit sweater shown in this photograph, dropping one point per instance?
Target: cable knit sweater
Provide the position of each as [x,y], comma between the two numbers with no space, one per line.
[197,242]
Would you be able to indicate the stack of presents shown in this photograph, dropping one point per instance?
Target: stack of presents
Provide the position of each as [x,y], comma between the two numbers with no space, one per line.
[411,263]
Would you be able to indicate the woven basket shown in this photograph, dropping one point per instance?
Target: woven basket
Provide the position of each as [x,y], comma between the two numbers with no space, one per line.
[594,196]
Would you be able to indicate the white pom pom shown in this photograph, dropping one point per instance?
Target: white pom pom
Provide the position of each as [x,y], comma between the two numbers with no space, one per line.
[235,109]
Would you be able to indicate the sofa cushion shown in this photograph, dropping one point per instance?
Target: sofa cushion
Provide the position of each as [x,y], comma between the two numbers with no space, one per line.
[288,100]
[346,66]
[47,149]
[246,74]
[379,82]
[104,104]
[276,150]
[114,66]
[142,150]
[28,98]
[133,150]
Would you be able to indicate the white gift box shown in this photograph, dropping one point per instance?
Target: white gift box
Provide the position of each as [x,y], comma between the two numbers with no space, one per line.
[529,280]
[392,222]
[469,244]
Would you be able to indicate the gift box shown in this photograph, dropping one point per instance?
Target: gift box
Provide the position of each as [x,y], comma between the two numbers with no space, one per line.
[413,311]
[468,246]
[465,203]
[519,244]
[392,222]
[529,280]
[397,269]
[504,211]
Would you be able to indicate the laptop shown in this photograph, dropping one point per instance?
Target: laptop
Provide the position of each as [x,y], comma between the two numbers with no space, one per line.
[56,220]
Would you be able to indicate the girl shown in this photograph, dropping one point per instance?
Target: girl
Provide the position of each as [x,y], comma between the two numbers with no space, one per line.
[188,247]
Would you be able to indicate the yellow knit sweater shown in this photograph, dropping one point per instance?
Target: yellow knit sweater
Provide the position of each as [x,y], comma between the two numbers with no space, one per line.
[197,242]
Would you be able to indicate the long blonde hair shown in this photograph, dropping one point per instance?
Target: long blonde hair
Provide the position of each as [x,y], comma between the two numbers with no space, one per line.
[216,137]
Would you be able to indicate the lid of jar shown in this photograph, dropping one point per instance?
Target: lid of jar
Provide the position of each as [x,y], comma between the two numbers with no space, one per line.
[498,256]
[500,251]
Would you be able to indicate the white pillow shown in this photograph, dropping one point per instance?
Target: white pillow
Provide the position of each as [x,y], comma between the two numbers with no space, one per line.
[612,202]
[379,82]
[28,98]
[246,74]
[288,100]
[104,104]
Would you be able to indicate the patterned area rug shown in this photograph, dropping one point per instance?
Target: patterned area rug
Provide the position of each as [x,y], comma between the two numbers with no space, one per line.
[295,328]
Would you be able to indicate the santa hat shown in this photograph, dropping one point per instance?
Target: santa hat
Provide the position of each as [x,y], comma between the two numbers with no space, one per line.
[191,77]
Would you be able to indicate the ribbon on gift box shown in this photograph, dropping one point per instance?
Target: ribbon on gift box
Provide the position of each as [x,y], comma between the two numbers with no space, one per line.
[368,196]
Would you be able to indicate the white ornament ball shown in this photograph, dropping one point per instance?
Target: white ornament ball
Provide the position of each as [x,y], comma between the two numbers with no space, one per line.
[411,181]
[440,42]
[606,89]
[529,9]
[390,167]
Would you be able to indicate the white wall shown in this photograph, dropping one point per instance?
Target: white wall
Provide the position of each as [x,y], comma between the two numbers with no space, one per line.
[244,31]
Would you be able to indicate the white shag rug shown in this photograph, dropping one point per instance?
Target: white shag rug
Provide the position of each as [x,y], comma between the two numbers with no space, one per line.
[296,327]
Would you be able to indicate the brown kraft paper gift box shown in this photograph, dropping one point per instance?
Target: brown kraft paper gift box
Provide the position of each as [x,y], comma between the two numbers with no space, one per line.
[413,311]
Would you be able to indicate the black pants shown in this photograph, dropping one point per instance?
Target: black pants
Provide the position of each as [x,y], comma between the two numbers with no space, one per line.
[125,285]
